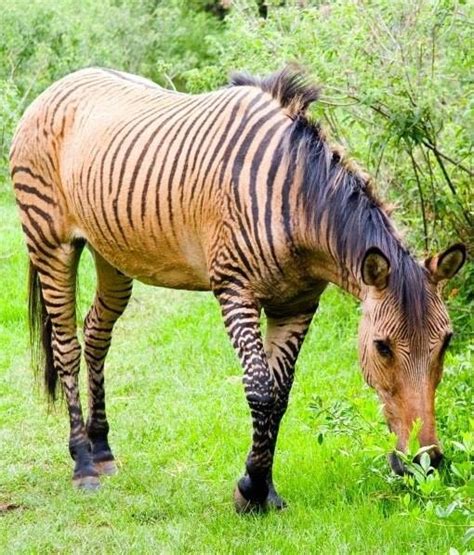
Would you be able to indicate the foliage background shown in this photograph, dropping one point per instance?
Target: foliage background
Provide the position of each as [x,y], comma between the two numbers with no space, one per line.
[397,78]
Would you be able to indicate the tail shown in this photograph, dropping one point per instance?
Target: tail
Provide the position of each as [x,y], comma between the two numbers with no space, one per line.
[41,334]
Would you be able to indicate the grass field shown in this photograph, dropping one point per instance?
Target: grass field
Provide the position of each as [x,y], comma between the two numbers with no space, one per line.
[180,431]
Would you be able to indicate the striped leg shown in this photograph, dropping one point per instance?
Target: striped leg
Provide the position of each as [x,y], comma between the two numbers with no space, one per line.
[241,319]
[113,293]
[58,286]
[283,340]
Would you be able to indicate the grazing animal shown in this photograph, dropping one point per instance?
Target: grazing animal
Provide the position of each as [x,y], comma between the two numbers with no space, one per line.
[233,191]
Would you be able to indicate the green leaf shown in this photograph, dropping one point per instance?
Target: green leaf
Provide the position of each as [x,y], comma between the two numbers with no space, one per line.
[459,445]
[468,536]
[440,512]
[413,441]
[425,462]
[450,508]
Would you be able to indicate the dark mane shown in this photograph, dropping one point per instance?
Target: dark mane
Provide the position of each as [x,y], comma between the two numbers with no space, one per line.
[338,191]
[356,218]
[290,87]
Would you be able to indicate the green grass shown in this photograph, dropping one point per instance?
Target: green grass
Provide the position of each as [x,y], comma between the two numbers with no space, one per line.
[180,431]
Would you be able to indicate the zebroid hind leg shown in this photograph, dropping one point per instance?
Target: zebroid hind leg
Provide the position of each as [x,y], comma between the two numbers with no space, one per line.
[112,295]
[57,277]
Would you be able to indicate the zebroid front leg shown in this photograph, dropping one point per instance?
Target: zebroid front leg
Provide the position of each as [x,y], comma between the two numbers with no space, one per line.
[241,319]
[283,340]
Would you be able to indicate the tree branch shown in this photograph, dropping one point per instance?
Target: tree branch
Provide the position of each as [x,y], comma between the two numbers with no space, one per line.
[380,110]
[420,193]
[437,152]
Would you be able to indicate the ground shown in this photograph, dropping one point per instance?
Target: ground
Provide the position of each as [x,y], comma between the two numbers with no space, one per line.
[180,431]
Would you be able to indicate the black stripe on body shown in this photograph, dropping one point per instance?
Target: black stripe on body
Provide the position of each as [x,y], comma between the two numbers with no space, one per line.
[152,164]
[46,217]
[271,177]
[200,143]
[228,141]
[27,170]
[169,177]
[101,190]
[130,148]
[34,191]
[256,161]
[286,208]
[190,132]
[57,101]
[212,154]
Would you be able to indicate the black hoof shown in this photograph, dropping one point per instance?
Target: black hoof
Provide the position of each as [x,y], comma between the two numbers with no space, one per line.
[244,506]
[85,476]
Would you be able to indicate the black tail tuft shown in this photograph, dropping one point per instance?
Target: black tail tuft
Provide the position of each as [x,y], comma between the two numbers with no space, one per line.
[41,335]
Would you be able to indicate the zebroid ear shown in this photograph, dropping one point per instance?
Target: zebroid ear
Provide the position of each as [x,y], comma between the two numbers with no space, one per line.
[375,269]
[445,265]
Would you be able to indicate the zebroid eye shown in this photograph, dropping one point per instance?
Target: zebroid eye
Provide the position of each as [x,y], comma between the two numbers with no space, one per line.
[383,348]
